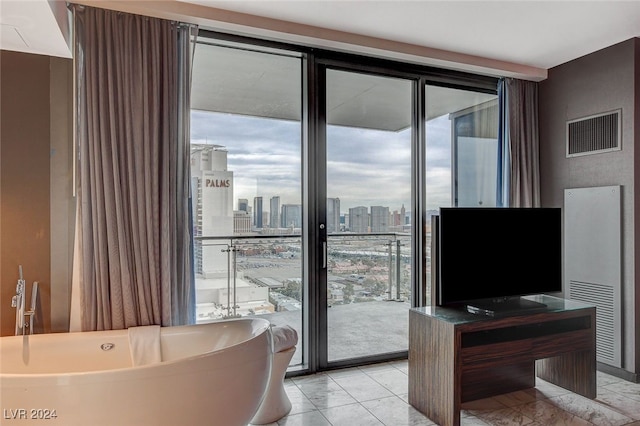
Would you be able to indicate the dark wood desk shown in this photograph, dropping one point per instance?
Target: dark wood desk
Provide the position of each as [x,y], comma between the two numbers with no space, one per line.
[455,356]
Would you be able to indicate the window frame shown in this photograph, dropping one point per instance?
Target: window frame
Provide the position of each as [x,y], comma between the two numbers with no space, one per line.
[315,62]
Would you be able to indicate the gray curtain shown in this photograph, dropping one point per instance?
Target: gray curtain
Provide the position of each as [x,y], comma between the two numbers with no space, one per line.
[520,142]
[132,90]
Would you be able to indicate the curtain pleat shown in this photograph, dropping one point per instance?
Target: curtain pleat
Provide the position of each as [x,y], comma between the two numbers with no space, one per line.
[525,151]
[133,186]
[519,142]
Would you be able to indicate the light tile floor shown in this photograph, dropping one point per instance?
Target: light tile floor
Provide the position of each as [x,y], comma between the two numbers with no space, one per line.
[378,395]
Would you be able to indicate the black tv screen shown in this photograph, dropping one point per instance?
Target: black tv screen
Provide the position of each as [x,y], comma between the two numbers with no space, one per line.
[496,253]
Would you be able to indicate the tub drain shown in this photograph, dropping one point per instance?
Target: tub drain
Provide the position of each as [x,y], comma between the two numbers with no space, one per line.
[107,346]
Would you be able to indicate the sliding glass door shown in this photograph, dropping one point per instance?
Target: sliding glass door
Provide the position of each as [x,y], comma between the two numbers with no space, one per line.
[246,162]
[313,179]
[368,198]
[461,154]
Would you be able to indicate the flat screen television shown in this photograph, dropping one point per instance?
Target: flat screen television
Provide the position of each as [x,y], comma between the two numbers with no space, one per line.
[488,257]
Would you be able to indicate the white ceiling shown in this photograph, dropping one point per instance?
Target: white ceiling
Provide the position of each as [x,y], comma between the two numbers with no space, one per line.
[540,34]
[35,26]
[495,37]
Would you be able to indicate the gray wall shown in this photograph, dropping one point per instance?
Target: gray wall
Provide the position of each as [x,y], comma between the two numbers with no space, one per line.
[24,181]
[599,82]
[36,209]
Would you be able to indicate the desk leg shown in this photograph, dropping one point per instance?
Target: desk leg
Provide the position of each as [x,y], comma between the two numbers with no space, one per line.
[434,377]
[573,371]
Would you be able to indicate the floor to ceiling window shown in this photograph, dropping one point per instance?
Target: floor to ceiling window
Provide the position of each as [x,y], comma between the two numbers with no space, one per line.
[246,184]
[461,151]
[313,178]
[368,186]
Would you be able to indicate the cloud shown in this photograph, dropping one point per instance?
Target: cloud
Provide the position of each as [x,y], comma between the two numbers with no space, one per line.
[364,167]
[369,167]
[438,188]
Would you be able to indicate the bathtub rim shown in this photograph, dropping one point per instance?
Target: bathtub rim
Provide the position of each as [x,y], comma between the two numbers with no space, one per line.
[265,327]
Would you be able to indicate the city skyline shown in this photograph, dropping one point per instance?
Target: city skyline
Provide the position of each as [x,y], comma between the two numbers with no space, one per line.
[265,156]
[212,185]
[279,210]
[286,217]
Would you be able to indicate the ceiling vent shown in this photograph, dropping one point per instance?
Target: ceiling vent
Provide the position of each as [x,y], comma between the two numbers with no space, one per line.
[594,134]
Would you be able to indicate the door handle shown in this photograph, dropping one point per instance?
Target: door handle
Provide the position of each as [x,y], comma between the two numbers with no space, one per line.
[324,255]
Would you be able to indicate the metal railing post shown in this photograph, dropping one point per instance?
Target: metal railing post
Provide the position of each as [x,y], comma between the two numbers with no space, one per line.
[398,270]
[235,300]
[228,250]
[390,244]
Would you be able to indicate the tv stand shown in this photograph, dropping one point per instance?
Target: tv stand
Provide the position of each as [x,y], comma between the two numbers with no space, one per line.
[504,306]
[455,356]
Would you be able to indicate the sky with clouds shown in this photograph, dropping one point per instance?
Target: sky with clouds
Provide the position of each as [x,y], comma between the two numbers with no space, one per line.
[365,167]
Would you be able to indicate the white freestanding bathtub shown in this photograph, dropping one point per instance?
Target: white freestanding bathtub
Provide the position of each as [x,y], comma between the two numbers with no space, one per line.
[210,374]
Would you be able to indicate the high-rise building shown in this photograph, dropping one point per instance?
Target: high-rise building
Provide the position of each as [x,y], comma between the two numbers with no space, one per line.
[359,219]
[243,205]
[379,219]
[212,188]
[333,215]
[257,212]
[241,222]
[396,219]
[291,216]
[403,214]
[274,210]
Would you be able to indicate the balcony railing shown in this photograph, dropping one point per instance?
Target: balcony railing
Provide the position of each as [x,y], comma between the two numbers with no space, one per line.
[262,275]
[361,268]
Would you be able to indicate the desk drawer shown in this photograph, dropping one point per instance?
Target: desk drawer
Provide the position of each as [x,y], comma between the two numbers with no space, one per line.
[517,332]
[520,350]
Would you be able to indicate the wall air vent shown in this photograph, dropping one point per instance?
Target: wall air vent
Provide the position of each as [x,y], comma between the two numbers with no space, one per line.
[608,340]
[593,262]
[594,134]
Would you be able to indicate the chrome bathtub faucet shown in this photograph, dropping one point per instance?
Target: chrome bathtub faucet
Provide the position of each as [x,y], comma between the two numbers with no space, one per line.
[18,301]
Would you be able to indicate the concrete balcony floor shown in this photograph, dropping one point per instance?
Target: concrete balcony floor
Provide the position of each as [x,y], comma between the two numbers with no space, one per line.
[357,329]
